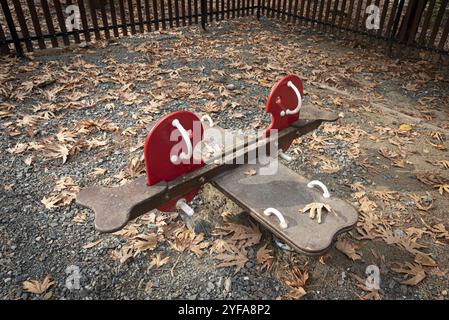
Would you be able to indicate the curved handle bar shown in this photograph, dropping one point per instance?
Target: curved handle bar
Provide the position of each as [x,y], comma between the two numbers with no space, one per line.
[282,222]
[209,119]
[313,183]
[298,95]
[182,156]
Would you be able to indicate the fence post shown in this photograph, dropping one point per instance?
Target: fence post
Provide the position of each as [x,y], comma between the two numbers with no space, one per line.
[258,9]
[395,26]
[12,28]
[203,14]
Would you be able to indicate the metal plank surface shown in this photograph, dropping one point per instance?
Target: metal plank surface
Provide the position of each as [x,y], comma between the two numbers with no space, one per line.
[287,192]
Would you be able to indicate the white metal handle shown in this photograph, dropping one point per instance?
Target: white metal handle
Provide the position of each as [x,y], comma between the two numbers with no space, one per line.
[298,96]
[318,183]
[209,119]
[182,205]
[285,156]
[282,222]
[183,156]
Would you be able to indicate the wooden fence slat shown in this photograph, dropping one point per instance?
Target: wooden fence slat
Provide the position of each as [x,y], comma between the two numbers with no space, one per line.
[189,11]
[391,19]
[217,11]
[104,19]
[49,23]
[314,12]
[113,18]
[383,17]
[83,15]
[437,23]
[93,15]
[12,28]
[148,15]
[301,13]
[278,9]
[289,11]
[36,24]
[334,14]
[306,12]
[426,23]
[284,10]
[342,13]
[196,11]
[61,21]
[405,21]
[170,13]
[4,48]
[155,14]
[139,15]
[123,17]
[183,12]
[23,25]
[295,11]
[416,21]
[131,16]
[163,13]
[358,14]
[350,12]
[238,8]
[321,14]
[177,20]
[444,35]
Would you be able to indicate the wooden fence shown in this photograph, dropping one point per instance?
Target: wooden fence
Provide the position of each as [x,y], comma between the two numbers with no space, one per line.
[39,24]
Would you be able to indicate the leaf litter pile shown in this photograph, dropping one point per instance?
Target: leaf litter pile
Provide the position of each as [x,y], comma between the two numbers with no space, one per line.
[80,117]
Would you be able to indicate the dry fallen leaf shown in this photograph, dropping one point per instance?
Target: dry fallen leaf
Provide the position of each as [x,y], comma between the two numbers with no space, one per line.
[92,244]
[316,209]
[443,188]
[157,261]
[124,254]
[80,218]
[348,248]
[250,172]
[405,127]
[415,272]
[425,260]
[264,258]
[149,285]
[38,287]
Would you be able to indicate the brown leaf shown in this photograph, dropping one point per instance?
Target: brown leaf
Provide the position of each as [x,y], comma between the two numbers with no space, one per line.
[425,260]
[143,242]
[92,244]
[415,272]
[38,287]
[264,258]
[157,261]
[125,253]
[348,248]
[316,209]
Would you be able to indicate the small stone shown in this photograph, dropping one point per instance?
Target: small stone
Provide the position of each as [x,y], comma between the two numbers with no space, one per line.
[230,86]
[210,286]
[444,292]
[227,284]
[84,293]
[83,45]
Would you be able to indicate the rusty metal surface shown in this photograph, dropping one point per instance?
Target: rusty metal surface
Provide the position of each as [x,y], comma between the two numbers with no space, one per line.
[287,192]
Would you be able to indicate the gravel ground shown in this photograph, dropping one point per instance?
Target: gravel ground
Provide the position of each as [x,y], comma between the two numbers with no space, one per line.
[245,57]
